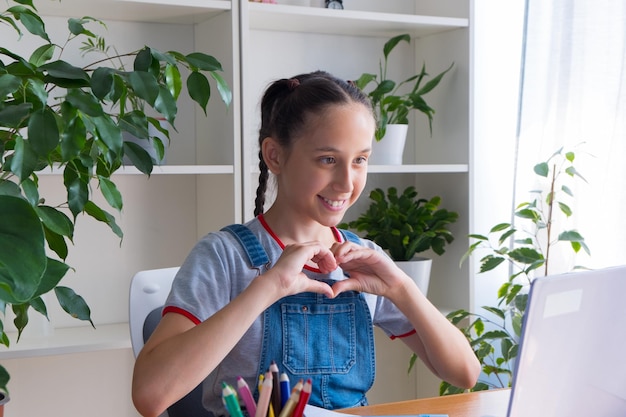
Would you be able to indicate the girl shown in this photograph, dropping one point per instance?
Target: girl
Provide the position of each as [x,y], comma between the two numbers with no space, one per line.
[312,305]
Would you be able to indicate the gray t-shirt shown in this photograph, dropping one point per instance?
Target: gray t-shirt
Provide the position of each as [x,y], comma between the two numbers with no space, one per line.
[216,271]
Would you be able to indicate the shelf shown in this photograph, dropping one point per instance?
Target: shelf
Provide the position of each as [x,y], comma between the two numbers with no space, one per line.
[162,170]
[69,340]
[160,11]
[346,22]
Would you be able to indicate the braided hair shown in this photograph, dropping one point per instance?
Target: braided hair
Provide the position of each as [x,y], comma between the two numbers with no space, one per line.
[286,105]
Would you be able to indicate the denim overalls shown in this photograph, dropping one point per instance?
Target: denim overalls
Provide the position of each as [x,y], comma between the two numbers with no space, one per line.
[330,341]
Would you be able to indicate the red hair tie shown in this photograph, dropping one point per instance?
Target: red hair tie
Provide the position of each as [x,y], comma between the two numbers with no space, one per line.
[292,83]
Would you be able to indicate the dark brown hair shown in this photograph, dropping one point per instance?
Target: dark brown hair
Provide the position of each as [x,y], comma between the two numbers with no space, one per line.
[286,105]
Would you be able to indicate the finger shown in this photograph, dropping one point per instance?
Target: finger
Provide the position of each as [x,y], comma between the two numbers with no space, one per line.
[325,260]
[320,288]
[345,285]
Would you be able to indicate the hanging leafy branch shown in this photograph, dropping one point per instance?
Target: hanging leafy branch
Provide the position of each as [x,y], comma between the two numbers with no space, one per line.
[54,114]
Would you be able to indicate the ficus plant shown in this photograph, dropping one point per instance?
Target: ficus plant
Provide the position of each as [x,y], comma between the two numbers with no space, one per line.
[525,246]
[55,114]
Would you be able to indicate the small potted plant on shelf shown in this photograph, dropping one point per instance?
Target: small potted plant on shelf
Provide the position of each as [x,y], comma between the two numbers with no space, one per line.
[405,225]
[495,334]
[393,100]
[55,114]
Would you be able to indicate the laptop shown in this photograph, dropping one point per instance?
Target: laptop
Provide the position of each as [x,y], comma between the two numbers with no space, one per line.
[572,360]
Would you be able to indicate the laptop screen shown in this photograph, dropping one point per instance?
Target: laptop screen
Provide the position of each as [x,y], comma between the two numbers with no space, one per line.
[572,358]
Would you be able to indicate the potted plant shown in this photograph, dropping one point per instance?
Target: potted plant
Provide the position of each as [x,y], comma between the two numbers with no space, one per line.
[56,114]
[405,225]
[393,100]
[526,247]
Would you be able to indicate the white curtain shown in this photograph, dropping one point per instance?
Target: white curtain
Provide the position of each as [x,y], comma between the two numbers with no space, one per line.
[573,91]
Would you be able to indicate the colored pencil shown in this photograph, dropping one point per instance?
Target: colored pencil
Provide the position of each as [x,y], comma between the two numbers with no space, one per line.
[285,389]
[246,396]
[229,397]
[291,403]
[304,399]
[276,401]
[265,396]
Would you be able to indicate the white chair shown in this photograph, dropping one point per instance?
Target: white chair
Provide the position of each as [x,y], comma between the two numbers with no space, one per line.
[148,292]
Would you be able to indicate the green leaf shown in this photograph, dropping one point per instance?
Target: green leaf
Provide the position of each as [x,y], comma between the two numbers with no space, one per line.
[73,304]
[21,317]
[490,262]
[9,84]
[204,62]
[526,255]
[109,133]
[110,193]
[222,87]
[65,75]
[56,243]
[14,115]
[97,213]
[4,377]
[199,89]
[73,139]
[391,43]
[139,157]
[143,60]
[145,86]
[24,161]
[55,271]
[102,82]
[77,188]
[499,227]
[22,250]
[85,102]
[55,220]
[43,132]
[542,169]
[31,21]
[173,80]
[38,88]
[42,54]
[76,27]
[166,105]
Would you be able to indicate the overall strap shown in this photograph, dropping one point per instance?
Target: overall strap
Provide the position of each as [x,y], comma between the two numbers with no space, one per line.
[350,236]
[257,257]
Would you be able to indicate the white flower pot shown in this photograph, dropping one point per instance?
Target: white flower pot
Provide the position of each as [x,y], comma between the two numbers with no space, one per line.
[419,270]
[389,150]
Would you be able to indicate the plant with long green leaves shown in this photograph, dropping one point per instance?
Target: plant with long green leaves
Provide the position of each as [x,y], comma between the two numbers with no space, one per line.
[54,114]
[525,246]
[404,224]
[390,104]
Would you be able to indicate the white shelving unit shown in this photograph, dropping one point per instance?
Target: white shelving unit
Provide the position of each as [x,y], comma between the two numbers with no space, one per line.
[211,174]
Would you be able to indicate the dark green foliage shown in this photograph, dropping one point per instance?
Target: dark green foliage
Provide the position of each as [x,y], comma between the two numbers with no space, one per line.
[404,224]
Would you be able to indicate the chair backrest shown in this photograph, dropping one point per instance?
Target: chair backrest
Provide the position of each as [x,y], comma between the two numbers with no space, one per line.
[148,292]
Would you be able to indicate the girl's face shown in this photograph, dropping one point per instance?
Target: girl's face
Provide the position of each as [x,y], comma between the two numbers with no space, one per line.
[325,170]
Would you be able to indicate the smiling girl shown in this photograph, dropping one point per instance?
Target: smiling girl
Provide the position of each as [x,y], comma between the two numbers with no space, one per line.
[289,286]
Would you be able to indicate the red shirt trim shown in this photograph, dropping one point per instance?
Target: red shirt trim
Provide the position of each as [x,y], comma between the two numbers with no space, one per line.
[178,310]
[336,233]
[403,335]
